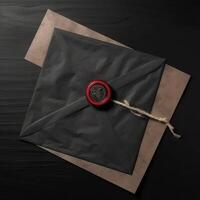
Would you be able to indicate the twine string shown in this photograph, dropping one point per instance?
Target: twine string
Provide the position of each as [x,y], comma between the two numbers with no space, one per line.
[142,113]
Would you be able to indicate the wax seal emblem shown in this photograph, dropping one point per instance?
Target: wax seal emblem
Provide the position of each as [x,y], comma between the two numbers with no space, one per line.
[98,92]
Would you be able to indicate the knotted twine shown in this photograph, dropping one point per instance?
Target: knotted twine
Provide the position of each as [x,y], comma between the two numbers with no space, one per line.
[142,113]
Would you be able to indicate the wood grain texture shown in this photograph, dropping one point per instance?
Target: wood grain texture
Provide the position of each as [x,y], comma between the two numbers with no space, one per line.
[168,29]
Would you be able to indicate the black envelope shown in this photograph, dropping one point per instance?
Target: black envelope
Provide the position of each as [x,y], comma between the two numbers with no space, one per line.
[59,116]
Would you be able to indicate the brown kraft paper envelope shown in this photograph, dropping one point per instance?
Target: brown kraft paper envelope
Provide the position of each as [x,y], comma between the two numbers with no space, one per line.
[172,85]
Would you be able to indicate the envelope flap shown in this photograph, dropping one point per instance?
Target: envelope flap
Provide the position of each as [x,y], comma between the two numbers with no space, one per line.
[95,59]
[52,117]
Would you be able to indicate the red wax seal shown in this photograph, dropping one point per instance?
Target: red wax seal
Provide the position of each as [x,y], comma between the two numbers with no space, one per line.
[98,93]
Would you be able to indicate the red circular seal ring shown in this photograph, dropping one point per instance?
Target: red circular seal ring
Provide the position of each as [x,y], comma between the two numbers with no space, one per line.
[98,93]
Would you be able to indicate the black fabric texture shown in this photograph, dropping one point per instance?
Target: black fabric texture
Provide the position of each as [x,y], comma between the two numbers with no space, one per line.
[59,116]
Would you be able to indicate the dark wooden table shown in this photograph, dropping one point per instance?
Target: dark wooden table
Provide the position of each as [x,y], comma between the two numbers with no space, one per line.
[169,29]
